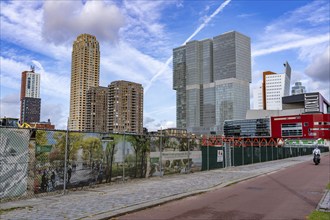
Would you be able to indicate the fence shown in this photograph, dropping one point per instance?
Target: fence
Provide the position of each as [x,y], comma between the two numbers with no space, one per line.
[38,162]
[41,162]
[219,157]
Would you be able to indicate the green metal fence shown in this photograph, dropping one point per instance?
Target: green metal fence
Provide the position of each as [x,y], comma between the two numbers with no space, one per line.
[249,155]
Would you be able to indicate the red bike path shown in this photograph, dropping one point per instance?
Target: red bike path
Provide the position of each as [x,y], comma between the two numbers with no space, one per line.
[291,193]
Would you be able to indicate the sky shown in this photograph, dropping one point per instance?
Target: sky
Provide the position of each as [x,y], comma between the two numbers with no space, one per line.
[136,43]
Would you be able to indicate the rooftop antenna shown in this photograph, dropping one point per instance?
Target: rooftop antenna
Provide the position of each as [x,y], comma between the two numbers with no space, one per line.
[32,68]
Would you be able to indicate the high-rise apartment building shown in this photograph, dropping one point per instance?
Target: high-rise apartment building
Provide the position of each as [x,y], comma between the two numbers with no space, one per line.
[212,82]
[85,72]
[125,107]
[30,97]
[298,88]
[275,86]
[97,109]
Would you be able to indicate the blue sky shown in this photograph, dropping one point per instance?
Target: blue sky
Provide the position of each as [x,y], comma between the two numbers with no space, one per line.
[136,41]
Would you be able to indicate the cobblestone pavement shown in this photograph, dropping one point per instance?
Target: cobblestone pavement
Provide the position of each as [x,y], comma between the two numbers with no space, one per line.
[110,200]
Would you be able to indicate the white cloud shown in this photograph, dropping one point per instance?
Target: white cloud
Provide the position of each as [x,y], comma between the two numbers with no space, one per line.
[319,68]
[294,43]
[64,20]
[11,73]
[10,105]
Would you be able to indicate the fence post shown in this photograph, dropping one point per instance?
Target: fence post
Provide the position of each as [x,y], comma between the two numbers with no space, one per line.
[259,152]
[65,157]
[161,152]
[208,153]
[188,156]
[252,150]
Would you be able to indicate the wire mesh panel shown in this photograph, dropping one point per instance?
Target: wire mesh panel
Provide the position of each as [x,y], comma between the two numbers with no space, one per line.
[171,155]
[14,163]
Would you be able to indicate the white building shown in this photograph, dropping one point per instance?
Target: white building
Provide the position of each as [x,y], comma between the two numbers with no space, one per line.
[257,98]
[276,86]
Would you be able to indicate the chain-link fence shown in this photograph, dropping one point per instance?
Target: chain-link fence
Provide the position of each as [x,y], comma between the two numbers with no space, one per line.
[41,162]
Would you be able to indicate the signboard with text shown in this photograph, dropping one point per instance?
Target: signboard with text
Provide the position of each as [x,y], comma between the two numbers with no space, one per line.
[220,156]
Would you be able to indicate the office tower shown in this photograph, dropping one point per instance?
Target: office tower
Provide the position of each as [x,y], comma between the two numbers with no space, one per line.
[125,107]
[275,86]
[257,98]
[179,84]
[212,78]
[30,97]
[298,88]
[97,108]
[85,71]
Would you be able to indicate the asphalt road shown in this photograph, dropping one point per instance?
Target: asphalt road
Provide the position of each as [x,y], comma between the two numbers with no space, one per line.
[291,193]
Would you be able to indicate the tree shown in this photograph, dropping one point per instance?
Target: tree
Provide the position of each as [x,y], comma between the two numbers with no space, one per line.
[41,139]
[74,143]
[110,150]
[140,144]
[93,146]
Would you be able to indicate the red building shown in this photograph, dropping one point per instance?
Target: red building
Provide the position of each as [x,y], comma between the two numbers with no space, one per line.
[306,126]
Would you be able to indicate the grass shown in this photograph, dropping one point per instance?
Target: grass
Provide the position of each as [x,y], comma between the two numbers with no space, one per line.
[317,215]
[328,186]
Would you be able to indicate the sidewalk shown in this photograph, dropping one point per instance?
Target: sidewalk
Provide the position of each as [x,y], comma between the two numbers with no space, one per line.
[108,201]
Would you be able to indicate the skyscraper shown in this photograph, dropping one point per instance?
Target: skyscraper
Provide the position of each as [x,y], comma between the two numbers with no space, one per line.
[211,78]
[125,108]
[30,97]
[97,109]
[85,71]
[275,86]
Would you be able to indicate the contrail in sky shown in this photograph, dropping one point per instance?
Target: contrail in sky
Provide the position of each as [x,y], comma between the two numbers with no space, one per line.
[208,19]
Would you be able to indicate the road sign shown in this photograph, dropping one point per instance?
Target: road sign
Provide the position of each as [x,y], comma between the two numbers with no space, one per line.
[43,148]
[220,156]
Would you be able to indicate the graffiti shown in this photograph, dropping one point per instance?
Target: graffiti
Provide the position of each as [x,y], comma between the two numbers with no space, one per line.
[13,161]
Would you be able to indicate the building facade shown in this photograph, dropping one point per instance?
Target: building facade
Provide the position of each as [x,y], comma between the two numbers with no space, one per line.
[275,86]
[257,98]
[43,125]
[30,97]
[97,109]
[312,102]
[305,126]
[298,88]
[30,110]
[125,107]
[212,82]
[248,128]
[85,72]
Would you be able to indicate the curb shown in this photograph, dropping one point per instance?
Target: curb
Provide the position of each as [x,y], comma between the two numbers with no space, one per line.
[324,204]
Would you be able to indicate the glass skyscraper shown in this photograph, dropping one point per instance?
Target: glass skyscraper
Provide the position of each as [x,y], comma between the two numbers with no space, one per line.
[212,80]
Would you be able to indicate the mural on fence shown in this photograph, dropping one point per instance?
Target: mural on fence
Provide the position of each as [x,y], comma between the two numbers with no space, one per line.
[91,158]
[174,155]
[13,161]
